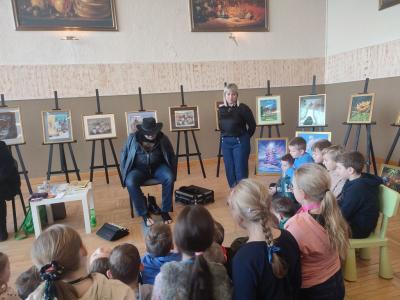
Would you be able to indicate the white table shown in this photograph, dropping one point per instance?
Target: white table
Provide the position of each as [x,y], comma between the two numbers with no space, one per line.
[85,195]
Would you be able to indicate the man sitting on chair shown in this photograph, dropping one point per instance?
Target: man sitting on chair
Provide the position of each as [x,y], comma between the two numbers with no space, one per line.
[10,184]
[147,154]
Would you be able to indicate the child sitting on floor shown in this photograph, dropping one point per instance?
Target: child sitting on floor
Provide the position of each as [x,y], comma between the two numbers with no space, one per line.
[99,261]
[330,156]
[6,292]
[158,245]
[297,149]
[317,150]
[284,209]
[283,188]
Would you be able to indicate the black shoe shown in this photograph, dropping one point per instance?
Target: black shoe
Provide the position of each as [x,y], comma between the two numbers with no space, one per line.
[152,205]
[166,217]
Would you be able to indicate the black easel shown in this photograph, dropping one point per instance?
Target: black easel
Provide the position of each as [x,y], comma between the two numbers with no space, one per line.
[20,159]
[370,149]
[394,144]
[63,162]
[187,153]
[219,155]
[312,128]
[105,165]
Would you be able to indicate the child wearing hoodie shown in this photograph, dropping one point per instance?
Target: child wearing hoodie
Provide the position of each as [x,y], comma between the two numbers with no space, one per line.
[158,246]
[359,202]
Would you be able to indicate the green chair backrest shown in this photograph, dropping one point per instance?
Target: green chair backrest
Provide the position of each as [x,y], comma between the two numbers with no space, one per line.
[389,203]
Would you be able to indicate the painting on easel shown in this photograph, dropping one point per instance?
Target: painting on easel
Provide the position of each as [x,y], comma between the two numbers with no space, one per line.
[360,108]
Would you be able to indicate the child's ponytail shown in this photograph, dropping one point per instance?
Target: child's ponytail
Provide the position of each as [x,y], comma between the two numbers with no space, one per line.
[201,283]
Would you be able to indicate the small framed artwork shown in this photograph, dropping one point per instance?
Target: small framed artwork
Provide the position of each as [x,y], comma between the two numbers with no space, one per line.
[184,118]
[312,110]
[217,104]
[229,16]
[65,15]
[269,110]
[387,3]
[11,126]
[57,126]
[269,152]
[360,108]
[98,127]
[134,118]
[397,120]
[311,137]
[391,176]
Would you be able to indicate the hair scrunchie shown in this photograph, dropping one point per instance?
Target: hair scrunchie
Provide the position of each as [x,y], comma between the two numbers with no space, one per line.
[50,273]
[271,250]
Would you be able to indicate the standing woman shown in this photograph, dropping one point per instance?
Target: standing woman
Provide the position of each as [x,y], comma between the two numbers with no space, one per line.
[237,125]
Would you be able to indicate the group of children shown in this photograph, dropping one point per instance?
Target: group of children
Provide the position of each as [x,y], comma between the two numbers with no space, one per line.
[297,238]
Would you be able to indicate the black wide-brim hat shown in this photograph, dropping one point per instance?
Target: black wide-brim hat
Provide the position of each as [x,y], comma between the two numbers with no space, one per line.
[150,126]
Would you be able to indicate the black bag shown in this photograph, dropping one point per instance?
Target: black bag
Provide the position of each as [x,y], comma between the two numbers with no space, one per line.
[193,194]
[112,232]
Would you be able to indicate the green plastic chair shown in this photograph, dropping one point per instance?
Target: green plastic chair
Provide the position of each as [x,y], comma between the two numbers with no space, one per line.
[389,204]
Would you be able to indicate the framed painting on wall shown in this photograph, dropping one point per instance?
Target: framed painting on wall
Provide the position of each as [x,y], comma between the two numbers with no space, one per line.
[98,127]
[387,3]
[311,137]
[65,15]
[57,126]
[134,118]
[312,110]
[269,152]
[184,118]
[11,126]
[229,16]
[269,110]
[391,176]
[360,108]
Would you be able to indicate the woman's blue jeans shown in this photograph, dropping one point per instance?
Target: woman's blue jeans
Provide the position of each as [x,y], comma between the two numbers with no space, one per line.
[236,151]
[135,179]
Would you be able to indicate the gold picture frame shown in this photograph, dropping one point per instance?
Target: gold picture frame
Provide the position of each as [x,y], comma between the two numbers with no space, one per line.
[57,127]
[99,127]
[269,110]
[268,154]
[391,176]
[360,108]
[90,15]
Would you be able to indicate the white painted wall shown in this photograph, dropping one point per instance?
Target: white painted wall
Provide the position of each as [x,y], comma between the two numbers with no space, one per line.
[159,31]
[353,24]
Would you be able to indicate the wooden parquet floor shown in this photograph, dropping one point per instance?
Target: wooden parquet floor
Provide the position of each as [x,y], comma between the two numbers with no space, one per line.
[111,203]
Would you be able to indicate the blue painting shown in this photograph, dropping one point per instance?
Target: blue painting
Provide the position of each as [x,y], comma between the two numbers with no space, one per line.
[269,152]
[311,137]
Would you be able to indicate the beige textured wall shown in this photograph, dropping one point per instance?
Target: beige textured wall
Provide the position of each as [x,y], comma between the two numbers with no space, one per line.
[36,155]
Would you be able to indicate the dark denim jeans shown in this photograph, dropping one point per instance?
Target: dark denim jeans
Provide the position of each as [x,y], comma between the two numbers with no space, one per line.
[136,177]
[236,151]
[332,289]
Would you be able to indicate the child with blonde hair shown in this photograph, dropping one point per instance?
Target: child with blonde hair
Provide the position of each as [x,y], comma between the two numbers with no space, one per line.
[61,257]
[6,292]
[330,157]
[321,232]
[268,265]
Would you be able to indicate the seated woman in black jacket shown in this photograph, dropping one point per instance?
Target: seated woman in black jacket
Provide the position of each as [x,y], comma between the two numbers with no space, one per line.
[9,185]
[237,125]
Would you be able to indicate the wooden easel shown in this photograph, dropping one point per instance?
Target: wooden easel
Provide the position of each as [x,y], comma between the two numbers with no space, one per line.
[63,162]
[370,156]
[20,159]
[312,128]
[394,144]
[187,153]
[278,134]
[105,164]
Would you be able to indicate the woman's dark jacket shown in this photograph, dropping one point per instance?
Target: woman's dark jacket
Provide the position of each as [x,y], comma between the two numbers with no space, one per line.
[10,181]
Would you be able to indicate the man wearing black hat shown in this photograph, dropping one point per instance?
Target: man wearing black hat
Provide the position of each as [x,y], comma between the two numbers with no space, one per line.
[147,154]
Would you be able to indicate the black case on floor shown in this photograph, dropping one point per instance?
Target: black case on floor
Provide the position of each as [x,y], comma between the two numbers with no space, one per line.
[112,232]
[193,194]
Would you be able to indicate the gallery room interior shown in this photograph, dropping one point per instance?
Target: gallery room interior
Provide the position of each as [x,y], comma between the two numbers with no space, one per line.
[78,78]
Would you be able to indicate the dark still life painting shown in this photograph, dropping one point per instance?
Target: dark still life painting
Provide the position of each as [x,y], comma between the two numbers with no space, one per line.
[64,14]
[229,15]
